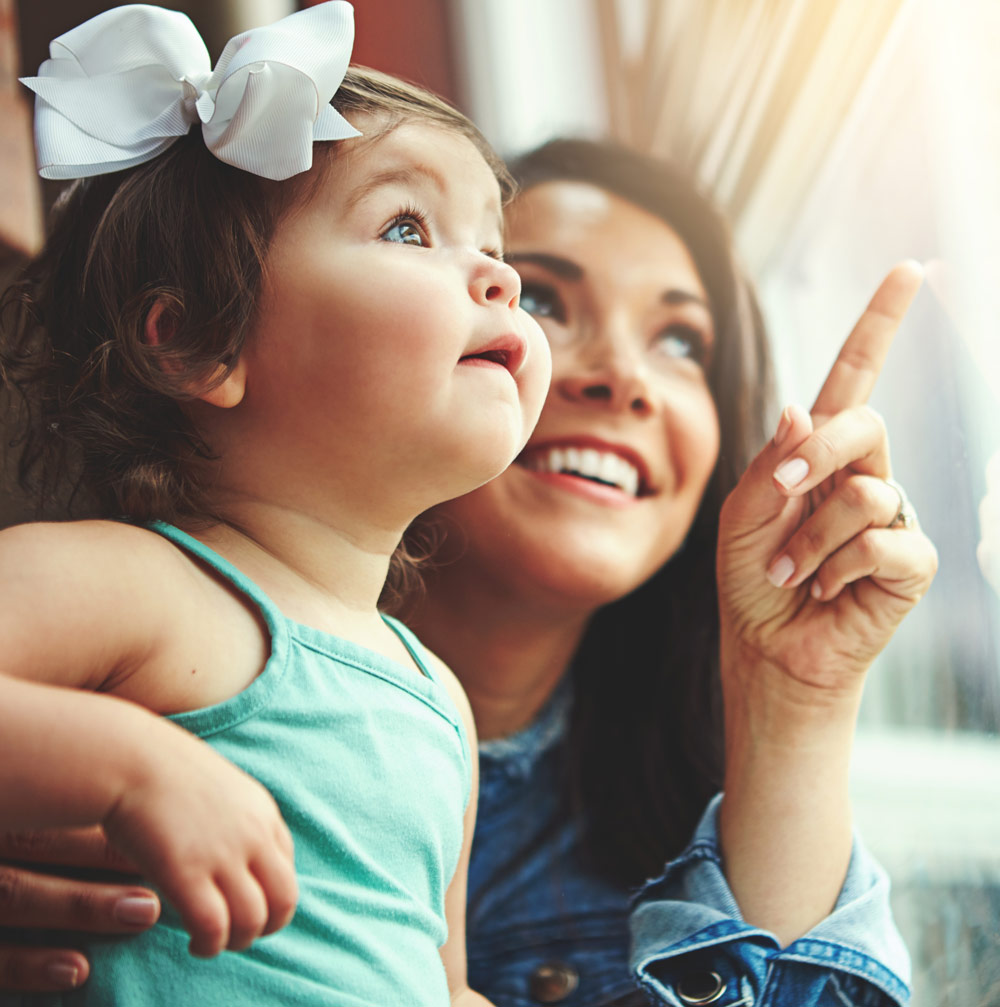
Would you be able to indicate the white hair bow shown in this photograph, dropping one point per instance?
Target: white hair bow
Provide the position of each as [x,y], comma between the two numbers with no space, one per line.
[123,86]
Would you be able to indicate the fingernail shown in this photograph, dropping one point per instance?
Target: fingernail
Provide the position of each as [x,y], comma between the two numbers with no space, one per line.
[784,425]
[65,975]
[137,911]
[791,473]
[780,570]
[816,590]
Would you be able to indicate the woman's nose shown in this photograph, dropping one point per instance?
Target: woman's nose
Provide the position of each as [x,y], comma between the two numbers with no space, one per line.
[494,282]
[606,370]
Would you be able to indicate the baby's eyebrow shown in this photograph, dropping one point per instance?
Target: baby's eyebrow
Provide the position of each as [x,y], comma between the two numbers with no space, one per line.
[396,176]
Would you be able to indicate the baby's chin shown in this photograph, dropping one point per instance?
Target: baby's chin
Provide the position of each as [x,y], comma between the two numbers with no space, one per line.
[484,470]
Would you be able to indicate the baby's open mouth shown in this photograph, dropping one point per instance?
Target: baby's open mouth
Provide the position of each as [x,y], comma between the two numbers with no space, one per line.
[507,351]
[501,357]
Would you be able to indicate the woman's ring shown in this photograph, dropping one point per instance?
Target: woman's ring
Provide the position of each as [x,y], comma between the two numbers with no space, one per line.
[906,516]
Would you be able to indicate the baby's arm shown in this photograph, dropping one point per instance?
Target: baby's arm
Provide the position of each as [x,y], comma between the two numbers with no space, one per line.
[453,950]
[84,606]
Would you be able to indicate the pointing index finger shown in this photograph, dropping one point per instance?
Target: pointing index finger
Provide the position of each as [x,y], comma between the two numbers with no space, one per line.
[857,367]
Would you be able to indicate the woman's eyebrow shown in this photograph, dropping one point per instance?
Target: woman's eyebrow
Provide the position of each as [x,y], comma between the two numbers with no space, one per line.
[566,269]
[675,296]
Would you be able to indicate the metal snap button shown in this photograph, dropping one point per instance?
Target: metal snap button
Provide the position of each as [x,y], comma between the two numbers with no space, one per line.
[701,988]
[553,981]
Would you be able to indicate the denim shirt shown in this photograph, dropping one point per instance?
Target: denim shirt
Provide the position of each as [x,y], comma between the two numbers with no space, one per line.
[542,928]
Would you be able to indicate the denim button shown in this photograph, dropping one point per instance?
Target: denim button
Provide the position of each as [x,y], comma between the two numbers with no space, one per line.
[553,981]
[701,988]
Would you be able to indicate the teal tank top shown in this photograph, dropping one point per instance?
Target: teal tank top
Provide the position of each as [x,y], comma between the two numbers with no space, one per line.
[369,763]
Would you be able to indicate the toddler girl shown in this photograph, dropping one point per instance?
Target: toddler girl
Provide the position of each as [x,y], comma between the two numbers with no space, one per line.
[258,370]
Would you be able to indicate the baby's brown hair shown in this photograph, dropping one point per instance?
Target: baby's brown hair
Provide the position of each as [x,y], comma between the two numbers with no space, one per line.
[102,406]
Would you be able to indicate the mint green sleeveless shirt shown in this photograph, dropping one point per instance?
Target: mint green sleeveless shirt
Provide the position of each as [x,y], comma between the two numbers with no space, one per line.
[369,763]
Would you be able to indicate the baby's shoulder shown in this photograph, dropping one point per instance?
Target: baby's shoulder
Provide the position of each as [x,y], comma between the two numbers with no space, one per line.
[134,614]
[95,555]
[91,594]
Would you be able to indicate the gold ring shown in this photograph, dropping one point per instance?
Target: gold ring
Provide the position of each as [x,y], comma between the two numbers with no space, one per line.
[906,516]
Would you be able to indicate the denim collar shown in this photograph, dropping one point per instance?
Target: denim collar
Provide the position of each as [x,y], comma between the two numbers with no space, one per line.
[516,755]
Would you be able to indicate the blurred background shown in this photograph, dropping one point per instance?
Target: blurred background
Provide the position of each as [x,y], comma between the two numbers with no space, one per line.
[840,136]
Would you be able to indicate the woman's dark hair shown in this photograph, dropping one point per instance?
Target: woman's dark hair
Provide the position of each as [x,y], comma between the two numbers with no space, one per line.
[646,732]
[100,408]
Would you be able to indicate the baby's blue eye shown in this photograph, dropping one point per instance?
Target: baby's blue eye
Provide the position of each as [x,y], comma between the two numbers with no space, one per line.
[404,232]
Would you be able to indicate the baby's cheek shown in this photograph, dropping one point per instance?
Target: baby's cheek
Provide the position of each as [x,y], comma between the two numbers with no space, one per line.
[539,370]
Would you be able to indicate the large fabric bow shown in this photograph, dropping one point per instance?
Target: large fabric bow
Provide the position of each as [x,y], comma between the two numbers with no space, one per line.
[123,86]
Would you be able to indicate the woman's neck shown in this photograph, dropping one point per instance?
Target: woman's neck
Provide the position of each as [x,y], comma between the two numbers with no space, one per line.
[508,653]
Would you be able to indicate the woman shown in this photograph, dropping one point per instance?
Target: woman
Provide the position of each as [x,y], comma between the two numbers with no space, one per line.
[575,598]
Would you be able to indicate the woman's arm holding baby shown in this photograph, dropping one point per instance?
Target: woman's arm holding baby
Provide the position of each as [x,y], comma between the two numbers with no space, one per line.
[81,609]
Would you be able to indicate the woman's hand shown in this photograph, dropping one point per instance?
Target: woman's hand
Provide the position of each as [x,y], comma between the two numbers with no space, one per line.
[819,560]
[812,579]
[31,899]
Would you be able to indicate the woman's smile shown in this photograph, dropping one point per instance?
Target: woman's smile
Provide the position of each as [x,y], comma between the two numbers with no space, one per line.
[598,469]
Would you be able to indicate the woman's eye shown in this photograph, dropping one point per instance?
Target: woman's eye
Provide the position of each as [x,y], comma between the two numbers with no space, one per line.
[542,302]
[682,342]
[404,232]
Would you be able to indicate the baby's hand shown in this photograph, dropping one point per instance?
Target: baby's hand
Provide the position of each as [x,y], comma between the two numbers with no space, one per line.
[989,525]
[212,839]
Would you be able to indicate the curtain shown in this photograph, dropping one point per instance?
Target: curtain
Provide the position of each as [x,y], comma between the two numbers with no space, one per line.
[750,95]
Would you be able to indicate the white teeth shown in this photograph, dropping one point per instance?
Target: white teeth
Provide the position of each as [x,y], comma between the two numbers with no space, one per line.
[631,484]
[606,466]
[590,462]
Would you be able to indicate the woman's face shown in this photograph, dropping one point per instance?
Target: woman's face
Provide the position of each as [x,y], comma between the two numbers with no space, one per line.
[609,483]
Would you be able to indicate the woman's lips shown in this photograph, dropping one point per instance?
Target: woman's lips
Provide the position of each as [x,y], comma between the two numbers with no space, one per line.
[580,486]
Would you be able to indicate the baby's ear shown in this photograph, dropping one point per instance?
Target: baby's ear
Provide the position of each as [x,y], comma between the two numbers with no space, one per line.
[229,392]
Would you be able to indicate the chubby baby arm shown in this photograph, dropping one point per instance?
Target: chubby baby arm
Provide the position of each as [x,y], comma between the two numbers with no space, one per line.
[199,828]
[209,836]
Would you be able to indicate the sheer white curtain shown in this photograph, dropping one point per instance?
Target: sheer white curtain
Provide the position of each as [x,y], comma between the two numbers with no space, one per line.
[748,94]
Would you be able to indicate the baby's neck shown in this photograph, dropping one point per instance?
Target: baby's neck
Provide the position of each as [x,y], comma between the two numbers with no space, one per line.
[317,573]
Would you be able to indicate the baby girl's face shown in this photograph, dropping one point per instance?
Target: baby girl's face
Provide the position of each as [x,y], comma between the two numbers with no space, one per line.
[391,355]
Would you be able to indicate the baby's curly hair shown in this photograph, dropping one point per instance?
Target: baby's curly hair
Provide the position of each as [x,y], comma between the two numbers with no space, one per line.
[98,408]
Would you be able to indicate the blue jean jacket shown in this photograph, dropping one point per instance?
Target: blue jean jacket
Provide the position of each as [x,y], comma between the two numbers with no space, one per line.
[543,928]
